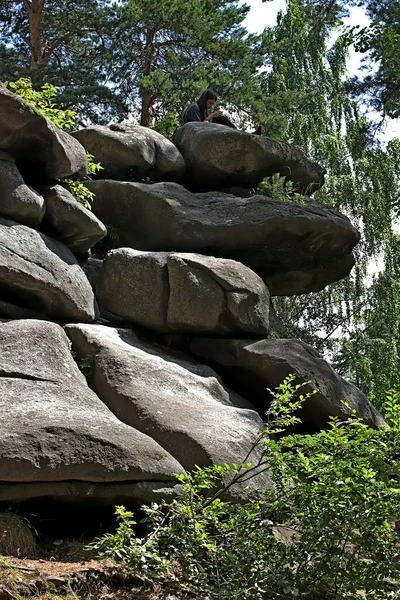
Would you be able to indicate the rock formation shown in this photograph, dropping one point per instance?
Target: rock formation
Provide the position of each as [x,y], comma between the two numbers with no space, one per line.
[107,410]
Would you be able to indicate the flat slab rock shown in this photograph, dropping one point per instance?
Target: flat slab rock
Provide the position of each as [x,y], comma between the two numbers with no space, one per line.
[43,275]
[182,292]
[296,249]
[218,156]
[129,152]
[36,142]
[255,366]
[180,403]
[53,428]
[76,226]
[18,201]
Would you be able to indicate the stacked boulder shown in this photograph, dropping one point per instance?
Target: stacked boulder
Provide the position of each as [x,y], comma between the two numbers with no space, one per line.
[174,372]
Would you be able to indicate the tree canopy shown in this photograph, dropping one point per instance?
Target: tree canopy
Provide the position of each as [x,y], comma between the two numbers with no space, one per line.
[135,55]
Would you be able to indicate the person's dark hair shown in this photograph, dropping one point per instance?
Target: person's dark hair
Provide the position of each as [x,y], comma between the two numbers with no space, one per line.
[202,102]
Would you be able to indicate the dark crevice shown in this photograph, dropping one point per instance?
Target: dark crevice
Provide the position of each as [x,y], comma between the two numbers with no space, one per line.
[16,375]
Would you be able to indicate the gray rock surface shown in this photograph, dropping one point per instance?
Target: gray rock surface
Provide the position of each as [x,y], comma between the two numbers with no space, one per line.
[296,249]
[18,201]
[178,402]
[53,427]
[255,366]
[92,269]
[71,222]
[184,292]
[129,152]
[40,273]
[31,138]
[218,156]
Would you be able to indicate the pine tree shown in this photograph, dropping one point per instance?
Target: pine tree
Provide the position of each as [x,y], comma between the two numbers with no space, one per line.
[141,56]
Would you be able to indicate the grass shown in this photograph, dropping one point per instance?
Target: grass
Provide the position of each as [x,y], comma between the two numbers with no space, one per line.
[16,536]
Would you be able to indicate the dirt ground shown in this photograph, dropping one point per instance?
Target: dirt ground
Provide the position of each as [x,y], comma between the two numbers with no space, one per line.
[65,571]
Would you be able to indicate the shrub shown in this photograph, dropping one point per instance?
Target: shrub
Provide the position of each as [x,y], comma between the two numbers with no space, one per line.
[325,532]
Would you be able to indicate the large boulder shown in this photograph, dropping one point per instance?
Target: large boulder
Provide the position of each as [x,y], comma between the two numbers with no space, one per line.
[130,152]
[255,366]
[184,293]
[295,248]
[71,222]
[18,201]
[53,428]
[218,156]
[35,142]
[40,273]
[178,402]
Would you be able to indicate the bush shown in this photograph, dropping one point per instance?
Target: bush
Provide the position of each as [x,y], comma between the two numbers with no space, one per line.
[326,532]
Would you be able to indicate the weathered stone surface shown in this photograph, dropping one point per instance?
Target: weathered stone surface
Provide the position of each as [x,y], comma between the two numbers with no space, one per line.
[218,156]
[175,400]
[184,292]
[129,152]
[92,269]
[296,249]
[53,427]
[35,141]
[71,222]
[43,275]
[18,201]
[255,366]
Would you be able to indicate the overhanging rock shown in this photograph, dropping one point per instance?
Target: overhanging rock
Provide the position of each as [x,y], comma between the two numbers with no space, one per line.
[295,248]
[256,366]
[218,156]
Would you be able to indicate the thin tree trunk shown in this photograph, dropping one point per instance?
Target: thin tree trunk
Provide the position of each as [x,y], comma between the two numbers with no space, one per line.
[145,113]
[35,10]
[147,97]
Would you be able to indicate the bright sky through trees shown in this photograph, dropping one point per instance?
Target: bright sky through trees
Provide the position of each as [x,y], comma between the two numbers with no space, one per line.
[263,14]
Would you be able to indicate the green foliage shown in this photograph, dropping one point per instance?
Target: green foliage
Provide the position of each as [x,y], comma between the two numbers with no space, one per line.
[79,189]
[167,125]
[134,56]
[325,530]
[379,86]
[71,46]
[308,103]
[43,101]
[278,188]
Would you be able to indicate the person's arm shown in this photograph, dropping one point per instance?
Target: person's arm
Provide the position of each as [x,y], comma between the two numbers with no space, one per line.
[213,115]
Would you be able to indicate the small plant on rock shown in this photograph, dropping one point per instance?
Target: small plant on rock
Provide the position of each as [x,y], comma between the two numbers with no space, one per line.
[279,188]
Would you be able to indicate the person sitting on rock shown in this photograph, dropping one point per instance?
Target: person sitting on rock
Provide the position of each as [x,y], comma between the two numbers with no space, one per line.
[199,111]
